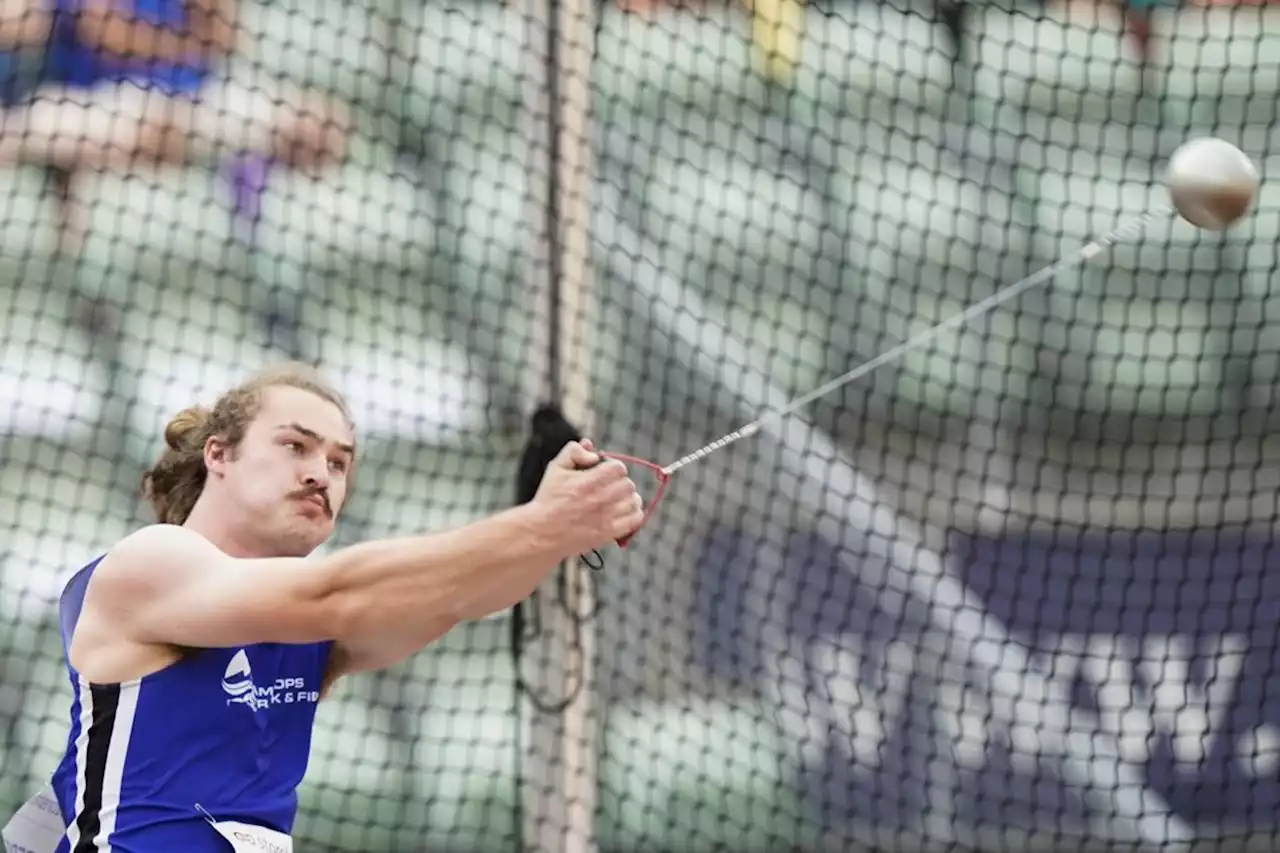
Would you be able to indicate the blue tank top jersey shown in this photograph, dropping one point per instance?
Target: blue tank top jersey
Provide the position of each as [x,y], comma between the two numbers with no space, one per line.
[223,731]
[71,62]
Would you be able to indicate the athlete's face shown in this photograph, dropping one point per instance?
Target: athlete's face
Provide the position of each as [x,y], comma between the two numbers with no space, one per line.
[289,475]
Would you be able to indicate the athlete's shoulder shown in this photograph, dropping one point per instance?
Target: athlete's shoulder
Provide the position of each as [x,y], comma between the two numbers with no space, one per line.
[125,574]
[153,554]
[77,573]
[158,535]
[153,540]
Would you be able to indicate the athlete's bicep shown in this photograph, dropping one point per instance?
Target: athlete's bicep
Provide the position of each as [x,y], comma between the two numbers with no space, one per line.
[360,654]
[166,584]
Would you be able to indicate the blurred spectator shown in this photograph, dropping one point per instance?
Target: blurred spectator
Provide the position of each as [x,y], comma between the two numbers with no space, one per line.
[1137,16]
[23,23]
[130,83]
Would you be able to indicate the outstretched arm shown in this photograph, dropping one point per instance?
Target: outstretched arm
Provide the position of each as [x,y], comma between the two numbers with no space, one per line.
[114,27]
[23,23]
[167,585]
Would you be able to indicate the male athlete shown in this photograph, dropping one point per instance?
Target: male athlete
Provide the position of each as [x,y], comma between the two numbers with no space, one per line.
[198,647]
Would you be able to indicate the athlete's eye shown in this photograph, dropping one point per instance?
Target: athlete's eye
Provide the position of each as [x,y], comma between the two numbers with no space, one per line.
[338,466]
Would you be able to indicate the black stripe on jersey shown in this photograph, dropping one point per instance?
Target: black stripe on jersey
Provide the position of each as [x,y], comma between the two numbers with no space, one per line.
[106,699]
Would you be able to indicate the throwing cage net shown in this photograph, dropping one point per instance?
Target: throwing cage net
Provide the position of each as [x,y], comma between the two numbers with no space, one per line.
[1015,591]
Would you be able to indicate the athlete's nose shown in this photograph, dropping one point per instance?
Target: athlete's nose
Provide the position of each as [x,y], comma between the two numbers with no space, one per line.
[313,485]
[316,476]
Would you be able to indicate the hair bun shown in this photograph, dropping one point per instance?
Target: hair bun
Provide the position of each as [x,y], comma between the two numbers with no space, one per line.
[183,431]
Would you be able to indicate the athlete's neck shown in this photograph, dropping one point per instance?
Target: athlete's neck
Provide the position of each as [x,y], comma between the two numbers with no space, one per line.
[212,525]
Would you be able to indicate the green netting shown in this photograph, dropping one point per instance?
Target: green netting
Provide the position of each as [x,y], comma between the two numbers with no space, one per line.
[753,643]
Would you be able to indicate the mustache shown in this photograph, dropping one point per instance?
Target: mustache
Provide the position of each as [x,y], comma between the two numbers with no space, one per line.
[323,494]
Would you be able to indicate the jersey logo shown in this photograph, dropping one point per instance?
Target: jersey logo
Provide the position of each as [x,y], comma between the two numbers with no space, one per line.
[240,688]
[238,680]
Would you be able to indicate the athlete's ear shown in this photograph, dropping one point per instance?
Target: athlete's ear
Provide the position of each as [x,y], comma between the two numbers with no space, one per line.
[217,453]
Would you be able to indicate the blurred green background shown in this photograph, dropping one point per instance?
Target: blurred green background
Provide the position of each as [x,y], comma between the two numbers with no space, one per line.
[819,222]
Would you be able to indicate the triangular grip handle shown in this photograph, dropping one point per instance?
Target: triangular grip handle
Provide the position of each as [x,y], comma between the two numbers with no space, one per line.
[663,479]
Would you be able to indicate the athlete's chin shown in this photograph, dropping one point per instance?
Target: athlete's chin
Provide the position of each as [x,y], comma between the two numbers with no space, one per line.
[297,546]
[300,539]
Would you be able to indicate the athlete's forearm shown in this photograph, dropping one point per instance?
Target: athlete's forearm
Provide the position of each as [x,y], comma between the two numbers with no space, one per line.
[22,24]
[116,31]
[217,22]
[395,584]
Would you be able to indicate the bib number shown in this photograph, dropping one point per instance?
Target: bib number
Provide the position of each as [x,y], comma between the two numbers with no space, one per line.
[247,838]
[37,827]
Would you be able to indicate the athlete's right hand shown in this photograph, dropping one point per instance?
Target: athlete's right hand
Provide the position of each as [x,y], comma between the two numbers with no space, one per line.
[588,509]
